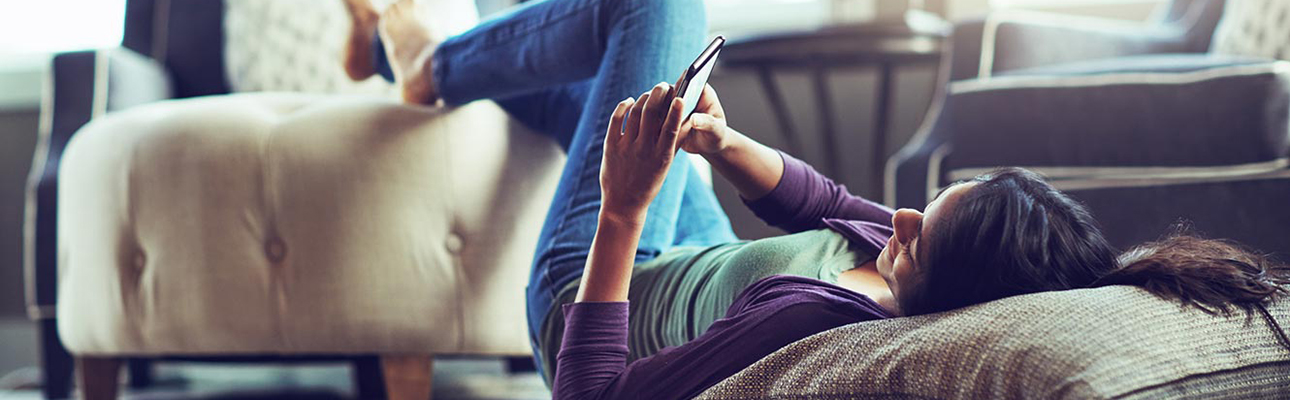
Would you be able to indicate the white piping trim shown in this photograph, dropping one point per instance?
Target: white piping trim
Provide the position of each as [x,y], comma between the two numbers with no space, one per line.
[100,100]
[1097,183]
[1130,78]
[38,162]
[1132,173]
[933,170]
[988,34]
[37,313]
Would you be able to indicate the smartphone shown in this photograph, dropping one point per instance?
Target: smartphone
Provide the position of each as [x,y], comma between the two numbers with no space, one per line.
[690,87]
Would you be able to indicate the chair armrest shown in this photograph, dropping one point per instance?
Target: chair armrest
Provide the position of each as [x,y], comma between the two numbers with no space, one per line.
[1014,40]
[1216,117]
[1231,117]
[81,85]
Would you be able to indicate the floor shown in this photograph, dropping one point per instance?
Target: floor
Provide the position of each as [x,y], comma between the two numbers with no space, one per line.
[455,378]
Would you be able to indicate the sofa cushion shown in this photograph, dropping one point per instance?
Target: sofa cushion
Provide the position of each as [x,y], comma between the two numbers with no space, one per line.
[1090,343]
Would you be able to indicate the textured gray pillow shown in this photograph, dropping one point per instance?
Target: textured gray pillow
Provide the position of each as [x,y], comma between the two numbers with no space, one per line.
[1107,342]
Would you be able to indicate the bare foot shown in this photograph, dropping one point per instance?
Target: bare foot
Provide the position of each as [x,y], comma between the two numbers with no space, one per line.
[409,45]
[358,49]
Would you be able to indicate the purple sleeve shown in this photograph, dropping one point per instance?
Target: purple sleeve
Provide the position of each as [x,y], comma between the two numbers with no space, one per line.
[769,315]
[804,198]
[593,352]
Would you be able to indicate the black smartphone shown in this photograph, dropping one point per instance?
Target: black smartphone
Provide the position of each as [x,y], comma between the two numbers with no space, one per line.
[690,87]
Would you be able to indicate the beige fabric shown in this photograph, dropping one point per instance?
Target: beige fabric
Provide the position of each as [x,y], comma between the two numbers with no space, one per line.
[1257,28]
[279,223]
[296,45]
[1092,343]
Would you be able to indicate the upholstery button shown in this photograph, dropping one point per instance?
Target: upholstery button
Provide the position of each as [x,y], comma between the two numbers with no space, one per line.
[275,250]
[140,260]
[453,243]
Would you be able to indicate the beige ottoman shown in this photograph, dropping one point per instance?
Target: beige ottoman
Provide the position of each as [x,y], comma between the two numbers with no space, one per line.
[290,224]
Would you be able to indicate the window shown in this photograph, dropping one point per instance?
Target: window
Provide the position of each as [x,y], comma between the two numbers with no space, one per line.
[48,26]
[752,16]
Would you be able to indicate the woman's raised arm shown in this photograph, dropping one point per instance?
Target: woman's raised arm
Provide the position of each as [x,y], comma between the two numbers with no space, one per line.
[753,168]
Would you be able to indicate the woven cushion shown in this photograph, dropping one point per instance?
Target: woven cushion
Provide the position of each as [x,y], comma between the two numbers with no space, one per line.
[1259,28]
[1091,343]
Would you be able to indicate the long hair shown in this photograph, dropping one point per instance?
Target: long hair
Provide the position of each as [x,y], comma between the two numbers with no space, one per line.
[1014,234]
[1210,274]
[1010,234]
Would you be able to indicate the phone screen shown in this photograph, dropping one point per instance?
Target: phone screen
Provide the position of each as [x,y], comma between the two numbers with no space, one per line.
[697,75]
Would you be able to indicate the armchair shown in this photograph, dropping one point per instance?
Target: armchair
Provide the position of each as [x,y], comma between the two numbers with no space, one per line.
[169,219]
[1138,121]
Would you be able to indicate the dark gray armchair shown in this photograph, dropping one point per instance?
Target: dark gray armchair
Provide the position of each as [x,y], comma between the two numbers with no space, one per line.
[165,53]
[1136,121]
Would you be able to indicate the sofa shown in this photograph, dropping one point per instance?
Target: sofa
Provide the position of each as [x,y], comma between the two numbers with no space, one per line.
[1178,119]
[1142,123]
[211,191]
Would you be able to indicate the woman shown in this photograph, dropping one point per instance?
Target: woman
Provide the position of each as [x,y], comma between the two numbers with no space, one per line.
[630,220]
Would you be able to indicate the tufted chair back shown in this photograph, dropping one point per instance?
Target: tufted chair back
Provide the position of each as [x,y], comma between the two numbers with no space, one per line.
[1257,28]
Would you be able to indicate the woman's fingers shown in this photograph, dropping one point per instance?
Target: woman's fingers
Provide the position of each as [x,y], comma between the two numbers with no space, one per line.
[633,123]
[672,125]
[653,113]
[615,132]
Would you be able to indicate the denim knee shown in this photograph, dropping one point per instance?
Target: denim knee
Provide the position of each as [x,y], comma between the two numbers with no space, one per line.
[664,17]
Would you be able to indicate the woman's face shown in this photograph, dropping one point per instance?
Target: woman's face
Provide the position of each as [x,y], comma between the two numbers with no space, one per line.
[896,263]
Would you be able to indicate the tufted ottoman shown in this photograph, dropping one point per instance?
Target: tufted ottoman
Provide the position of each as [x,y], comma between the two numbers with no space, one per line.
[294,224]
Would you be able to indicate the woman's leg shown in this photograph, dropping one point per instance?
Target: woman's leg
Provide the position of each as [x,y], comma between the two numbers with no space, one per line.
[641,42]
[601,51]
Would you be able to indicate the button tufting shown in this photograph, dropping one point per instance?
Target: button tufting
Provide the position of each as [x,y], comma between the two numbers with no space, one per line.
[453,243]
[140,260]
[275,250]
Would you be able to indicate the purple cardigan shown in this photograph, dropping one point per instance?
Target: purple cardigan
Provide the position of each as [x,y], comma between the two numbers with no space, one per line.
[766,316]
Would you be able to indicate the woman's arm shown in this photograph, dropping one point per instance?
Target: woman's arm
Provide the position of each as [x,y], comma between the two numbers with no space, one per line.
[638,151]
[753,168]
[783,191]
[635,163]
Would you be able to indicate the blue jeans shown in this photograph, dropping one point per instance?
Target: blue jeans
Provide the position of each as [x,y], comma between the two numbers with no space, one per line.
[560,67]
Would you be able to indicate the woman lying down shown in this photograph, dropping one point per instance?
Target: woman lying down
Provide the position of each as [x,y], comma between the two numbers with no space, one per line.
[632,221]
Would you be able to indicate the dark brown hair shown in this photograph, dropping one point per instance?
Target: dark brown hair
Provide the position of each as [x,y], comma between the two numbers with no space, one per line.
[1210,274]
[1013,233]
[1010,234]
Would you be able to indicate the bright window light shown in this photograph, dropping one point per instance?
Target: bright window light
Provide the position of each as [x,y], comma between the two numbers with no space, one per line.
[47,26]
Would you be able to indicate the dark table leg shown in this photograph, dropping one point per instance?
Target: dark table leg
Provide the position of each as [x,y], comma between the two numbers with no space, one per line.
[824,103]
[881,126]
[780,108]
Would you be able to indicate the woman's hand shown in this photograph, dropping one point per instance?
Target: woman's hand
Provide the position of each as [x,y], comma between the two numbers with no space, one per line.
[705,133]
[639,148]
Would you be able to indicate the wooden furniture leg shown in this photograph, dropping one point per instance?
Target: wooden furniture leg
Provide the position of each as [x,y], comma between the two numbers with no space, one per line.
[99,377]
[407,377]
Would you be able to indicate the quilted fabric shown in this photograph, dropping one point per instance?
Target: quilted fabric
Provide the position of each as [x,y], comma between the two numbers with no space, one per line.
[296,45]
[1259,28]
[1092,343]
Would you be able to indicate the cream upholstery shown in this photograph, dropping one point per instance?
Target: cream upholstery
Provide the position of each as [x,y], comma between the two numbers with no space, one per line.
[1258,28]
[296,45]
[293,223]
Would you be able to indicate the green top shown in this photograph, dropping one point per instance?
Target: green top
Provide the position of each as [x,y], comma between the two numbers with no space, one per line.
[678,295]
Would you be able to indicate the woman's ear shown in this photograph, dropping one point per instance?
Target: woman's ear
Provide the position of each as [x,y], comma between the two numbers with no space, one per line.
[906,223]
